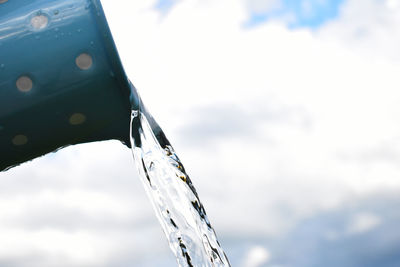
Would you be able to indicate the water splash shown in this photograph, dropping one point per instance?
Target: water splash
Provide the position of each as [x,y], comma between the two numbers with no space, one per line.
[175,200]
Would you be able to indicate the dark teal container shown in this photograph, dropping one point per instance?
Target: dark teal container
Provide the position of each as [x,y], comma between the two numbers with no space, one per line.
[61,79]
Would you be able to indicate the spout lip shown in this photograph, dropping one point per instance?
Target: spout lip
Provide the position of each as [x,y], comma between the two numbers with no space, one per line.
[134,97]
[128,91]
[130,95]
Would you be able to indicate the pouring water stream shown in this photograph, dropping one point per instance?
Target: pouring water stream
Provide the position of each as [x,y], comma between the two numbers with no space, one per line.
[174,198]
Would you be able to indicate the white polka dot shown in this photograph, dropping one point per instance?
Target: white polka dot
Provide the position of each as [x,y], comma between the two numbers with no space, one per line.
[84,61]
[39,22]
[20,140]
[24,84]
[77,119]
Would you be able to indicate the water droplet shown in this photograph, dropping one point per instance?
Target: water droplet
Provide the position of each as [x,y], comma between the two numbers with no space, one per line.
[79,30]
[135,113]
[91,43]
[56,12]
[2,66]
[37,37]
[56,29]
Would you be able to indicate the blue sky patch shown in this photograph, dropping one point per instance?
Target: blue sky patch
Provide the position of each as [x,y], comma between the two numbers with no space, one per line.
[165,5]
[299,13]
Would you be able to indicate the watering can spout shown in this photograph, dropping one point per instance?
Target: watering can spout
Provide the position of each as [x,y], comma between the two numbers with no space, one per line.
[61,80]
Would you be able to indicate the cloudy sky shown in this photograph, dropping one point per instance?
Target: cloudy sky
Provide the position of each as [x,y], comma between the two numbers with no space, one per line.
[285,114]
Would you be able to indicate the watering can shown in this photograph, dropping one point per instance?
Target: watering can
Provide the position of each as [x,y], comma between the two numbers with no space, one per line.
[61,79]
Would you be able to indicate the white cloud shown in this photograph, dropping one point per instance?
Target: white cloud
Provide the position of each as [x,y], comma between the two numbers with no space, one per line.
[256,257]
[263,6]
[363,222]
[393,4]
[296,101]
[369,28]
